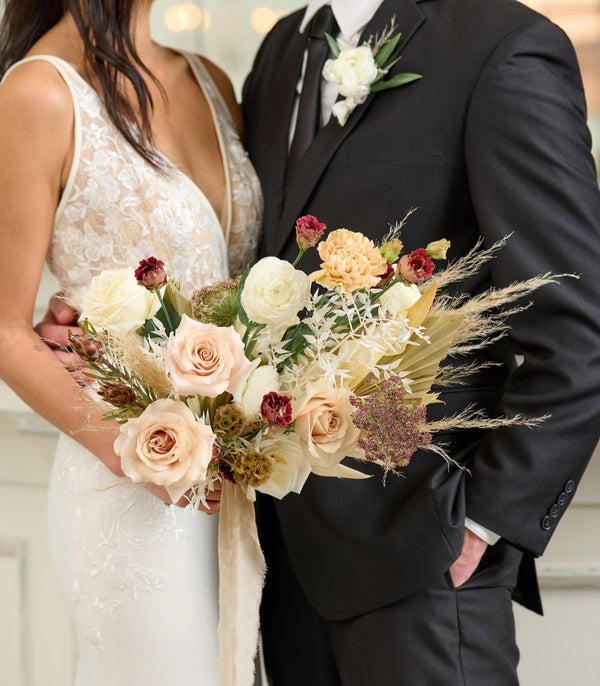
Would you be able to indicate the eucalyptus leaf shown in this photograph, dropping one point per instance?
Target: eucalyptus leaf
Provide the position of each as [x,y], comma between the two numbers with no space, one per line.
[384,54]
[241,312]
[333,46]
[398,80]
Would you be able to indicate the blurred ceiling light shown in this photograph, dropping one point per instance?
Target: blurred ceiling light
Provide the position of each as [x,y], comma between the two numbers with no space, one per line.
[186,17]
[263,19]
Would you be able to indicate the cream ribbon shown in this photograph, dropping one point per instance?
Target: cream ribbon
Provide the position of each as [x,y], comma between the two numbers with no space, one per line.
[241,578]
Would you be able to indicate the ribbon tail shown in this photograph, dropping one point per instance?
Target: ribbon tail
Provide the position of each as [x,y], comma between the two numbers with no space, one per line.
[241,578]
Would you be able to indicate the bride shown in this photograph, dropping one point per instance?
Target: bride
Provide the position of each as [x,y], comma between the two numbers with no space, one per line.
[111,145]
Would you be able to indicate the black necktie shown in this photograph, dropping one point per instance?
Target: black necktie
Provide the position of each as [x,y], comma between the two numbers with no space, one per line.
[309,103]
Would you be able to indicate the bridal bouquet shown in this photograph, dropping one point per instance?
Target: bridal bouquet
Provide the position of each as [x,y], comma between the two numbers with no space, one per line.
[261,380]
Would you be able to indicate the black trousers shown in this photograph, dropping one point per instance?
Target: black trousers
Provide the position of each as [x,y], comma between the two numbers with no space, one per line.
[440,636]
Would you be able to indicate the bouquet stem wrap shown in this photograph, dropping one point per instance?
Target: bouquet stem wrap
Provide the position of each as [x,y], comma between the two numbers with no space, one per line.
[241,578]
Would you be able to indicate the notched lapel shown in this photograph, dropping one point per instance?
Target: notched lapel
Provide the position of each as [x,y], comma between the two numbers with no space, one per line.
[309,171]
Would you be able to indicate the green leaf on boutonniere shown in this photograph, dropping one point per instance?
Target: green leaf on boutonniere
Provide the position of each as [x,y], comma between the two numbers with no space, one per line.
[398,80]
[333,46]
[386,51]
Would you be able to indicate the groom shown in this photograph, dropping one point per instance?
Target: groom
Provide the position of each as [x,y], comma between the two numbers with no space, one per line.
[410,583]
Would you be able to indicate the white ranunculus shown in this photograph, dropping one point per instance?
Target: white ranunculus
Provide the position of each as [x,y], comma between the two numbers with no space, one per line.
[290,467]
[399,298]
[262,381]
[353,72]
[116,301]
[274,292]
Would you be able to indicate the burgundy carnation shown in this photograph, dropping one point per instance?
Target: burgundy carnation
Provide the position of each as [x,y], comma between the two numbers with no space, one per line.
[151,273]
[309,231]
[416,266]
[276,409]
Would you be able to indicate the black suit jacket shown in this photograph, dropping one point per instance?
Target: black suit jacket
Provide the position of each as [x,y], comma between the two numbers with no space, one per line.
[491,141]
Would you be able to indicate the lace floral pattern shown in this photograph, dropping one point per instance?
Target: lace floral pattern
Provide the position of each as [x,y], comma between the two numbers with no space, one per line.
[117,209]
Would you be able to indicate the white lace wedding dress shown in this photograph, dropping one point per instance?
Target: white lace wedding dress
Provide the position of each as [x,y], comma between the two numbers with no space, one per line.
[140,578]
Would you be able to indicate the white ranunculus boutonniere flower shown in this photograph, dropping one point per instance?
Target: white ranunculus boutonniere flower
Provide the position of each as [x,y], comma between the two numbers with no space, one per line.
[356,72]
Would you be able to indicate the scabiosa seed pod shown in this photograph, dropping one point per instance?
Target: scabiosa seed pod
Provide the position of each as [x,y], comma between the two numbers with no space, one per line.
[88,348]
[255,469]
[229,419]
[151,273]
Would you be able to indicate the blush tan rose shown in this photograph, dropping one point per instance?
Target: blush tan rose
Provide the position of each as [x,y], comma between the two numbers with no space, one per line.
[324,424]
[204,359]
[166,445]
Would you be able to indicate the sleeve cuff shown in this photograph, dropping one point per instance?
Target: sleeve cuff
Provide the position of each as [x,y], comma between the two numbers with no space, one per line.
[485,534]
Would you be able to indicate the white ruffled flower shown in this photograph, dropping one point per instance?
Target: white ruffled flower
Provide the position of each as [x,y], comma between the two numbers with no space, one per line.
[274,292]
[353,72]
[116,302]
[290,467]
[399,298]
[262,381]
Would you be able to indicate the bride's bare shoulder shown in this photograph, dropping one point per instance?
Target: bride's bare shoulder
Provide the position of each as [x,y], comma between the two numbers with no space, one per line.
[36,89]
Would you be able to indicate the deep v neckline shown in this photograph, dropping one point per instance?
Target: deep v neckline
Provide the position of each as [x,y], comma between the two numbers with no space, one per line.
[198,76]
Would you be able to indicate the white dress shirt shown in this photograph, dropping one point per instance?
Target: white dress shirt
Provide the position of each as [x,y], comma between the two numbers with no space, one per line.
[352,16]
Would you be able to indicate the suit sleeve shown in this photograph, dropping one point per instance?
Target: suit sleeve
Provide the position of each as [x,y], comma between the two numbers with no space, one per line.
[531,173]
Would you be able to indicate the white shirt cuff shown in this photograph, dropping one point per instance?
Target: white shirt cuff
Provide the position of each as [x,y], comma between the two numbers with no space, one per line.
[485,534]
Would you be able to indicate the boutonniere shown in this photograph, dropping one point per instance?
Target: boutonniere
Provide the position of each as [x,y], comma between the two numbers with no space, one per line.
[356,72]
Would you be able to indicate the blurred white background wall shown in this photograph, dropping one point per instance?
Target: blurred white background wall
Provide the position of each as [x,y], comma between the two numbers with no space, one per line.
[36,644]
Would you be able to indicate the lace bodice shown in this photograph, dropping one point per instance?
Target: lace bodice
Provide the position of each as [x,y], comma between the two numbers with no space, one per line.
[117,209]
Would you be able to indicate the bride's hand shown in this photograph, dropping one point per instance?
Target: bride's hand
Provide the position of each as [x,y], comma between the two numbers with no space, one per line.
[213,498]
[54,328]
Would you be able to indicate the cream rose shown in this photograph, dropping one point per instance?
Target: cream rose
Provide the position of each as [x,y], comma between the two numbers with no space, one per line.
[116,301]
[350,260]
[274,292]
[262,380]
[166,445]
[399,298]
[204,359]
[290,466]
[324,425]
[353,72]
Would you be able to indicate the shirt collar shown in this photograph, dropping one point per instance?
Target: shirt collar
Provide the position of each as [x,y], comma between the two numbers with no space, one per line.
[351,15]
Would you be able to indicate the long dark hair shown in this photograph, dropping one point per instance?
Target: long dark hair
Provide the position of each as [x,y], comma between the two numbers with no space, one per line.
[110,55]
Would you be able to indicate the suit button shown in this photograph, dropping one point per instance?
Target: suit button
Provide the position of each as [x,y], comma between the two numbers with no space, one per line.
[547,523]
[570,486]
[554,511]
[562,499]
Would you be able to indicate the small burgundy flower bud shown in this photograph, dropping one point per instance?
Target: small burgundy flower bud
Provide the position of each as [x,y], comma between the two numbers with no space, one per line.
[416,266]
[309,231]
[151,273]
[276,409]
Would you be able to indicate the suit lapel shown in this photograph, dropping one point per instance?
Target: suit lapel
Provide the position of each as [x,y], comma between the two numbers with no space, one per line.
[278,117]
[310,169]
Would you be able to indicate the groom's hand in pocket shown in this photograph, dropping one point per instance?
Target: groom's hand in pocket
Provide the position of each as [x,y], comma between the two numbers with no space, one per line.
[54,329]
[468,560]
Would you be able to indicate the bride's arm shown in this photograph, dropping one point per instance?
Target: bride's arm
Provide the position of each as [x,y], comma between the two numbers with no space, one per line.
[36,140]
